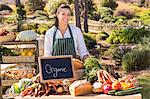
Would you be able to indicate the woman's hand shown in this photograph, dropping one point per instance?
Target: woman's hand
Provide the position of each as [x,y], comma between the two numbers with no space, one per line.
[85,57]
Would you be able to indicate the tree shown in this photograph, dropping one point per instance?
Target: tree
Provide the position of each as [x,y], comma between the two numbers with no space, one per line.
[85,15]
[77,13]
[33,5]
[109,3]
[53,5]
[20,14]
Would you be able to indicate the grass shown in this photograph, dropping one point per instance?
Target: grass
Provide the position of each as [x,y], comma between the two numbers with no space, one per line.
[144,81]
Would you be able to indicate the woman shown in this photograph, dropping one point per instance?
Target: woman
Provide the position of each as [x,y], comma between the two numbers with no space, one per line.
[64,39]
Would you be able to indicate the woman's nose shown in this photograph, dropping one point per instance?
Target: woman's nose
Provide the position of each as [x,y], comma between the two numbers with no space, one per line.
[67,16]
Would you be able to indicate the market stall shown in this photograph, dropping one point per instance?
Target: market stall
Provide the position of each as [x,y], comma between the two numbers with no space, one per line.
[66,77]
[51,83]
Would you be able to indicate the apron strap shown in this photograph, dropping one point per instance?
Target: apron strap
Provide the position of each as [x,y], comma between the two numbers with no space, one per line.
[56,31]
[54,35]
[70,32]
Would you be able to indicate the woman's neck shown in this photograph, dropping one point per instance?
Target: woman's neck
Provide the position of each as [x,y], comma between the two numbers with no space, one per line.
[62,28]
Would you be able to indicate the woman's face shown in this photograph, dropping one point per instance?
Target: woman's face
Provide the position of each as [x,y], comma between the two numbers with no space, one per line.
[63,15]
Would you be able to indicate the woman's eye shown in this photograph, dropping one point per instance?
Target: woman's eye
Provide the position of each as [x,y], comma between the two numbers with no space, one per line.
[62,14]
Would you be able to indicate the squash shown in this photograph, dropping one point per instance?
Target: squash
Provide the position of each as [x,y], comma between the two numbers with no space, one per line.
[27,35]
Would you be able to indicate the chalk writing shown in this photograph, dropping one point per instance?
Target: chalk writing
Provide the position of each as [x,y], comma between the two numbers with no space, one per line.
[54,70]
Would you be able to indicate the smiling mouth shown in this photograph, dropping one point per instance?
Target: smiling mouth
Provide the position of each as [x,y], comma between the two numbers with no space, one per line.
[65,20]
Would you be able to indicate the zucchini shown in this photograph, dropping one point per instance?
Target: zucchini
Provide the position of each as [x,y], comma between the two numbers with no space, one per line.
[112,92]
[129,91]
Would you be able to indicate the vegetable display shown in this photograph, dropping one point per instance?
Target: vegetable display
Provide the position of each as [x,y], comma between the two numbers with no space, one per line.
[91,67]
[129,91]
[27,35]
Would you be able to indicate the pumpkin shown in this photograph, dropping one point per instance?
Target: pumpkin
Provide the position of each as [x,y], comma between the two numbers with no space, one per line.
[27,35]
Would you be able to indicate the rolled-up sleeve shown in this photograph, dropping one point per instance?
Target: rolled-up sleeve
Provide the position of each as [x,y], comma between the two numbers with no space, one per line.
[81,44]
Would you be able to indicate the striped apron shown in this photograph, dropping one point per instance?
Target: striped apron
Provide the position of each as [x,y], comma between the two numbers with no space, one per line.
[63,46]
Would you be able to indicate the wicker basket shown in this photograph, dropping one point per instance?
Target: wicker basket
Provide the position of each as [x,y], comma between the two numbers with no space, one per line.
[79,73]
[7,38]
[16,59]
[8,82]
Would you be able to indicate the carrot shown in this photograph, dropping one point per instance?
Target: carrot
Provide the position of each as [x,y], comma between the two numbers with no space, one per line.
[54,88]
[36,92]
[99,76]
[103,77]
[24,93]
[47,91]
[110,77]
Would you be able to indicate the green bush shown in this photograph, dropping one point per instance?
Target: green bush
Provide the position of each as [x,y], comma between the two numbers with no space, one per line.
[41,18]
[117,51]
[25,27]
[89,41]
[106,14]
[120,20]
[101,36]
[134,22]
[33,5]
[30,26]
[145,43]
[144,16]
[39,13]
[52,6]
[136,60]
[147,22]
[129,35]
[105,11]
[91,35]
[91,9]
[42,28]
[8,20]
[95,16]
[109,3]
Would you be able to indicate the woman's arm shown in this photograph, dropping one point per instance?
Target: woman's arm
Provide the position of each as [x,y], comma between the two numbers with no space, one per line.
[81,45]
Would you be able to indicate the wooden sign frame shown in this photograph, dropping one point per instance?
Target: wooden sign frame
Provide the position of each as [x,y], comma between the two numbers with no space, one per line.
[55,57]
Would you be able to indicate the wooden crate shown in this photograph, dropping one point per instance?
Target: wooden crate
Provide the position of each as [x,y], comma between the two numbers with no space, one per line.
[24,73]
[79,73]
[17,59]
[8,82]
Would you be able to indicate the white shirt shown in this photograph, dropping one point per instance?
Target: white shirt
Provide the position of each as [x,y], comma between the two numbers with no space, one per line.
[79,42]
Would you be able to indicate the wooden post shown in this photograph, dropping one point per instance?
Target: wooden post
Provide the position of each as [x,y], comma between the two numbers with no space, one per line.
[86,16]
[77,13]
[33,1]
[18,22]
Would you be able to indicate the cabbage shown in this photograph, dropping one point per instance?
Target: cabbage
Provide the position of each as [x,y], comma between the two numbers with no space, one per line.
[27,35]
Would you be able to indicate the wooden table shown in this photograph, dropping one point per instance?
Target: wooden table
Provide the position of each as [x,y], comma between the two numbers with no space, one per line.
[102,96]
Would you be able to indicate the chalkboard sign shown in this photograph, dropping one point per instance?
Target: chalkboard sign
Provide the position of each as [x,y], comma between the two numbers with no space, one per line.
[56,67]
